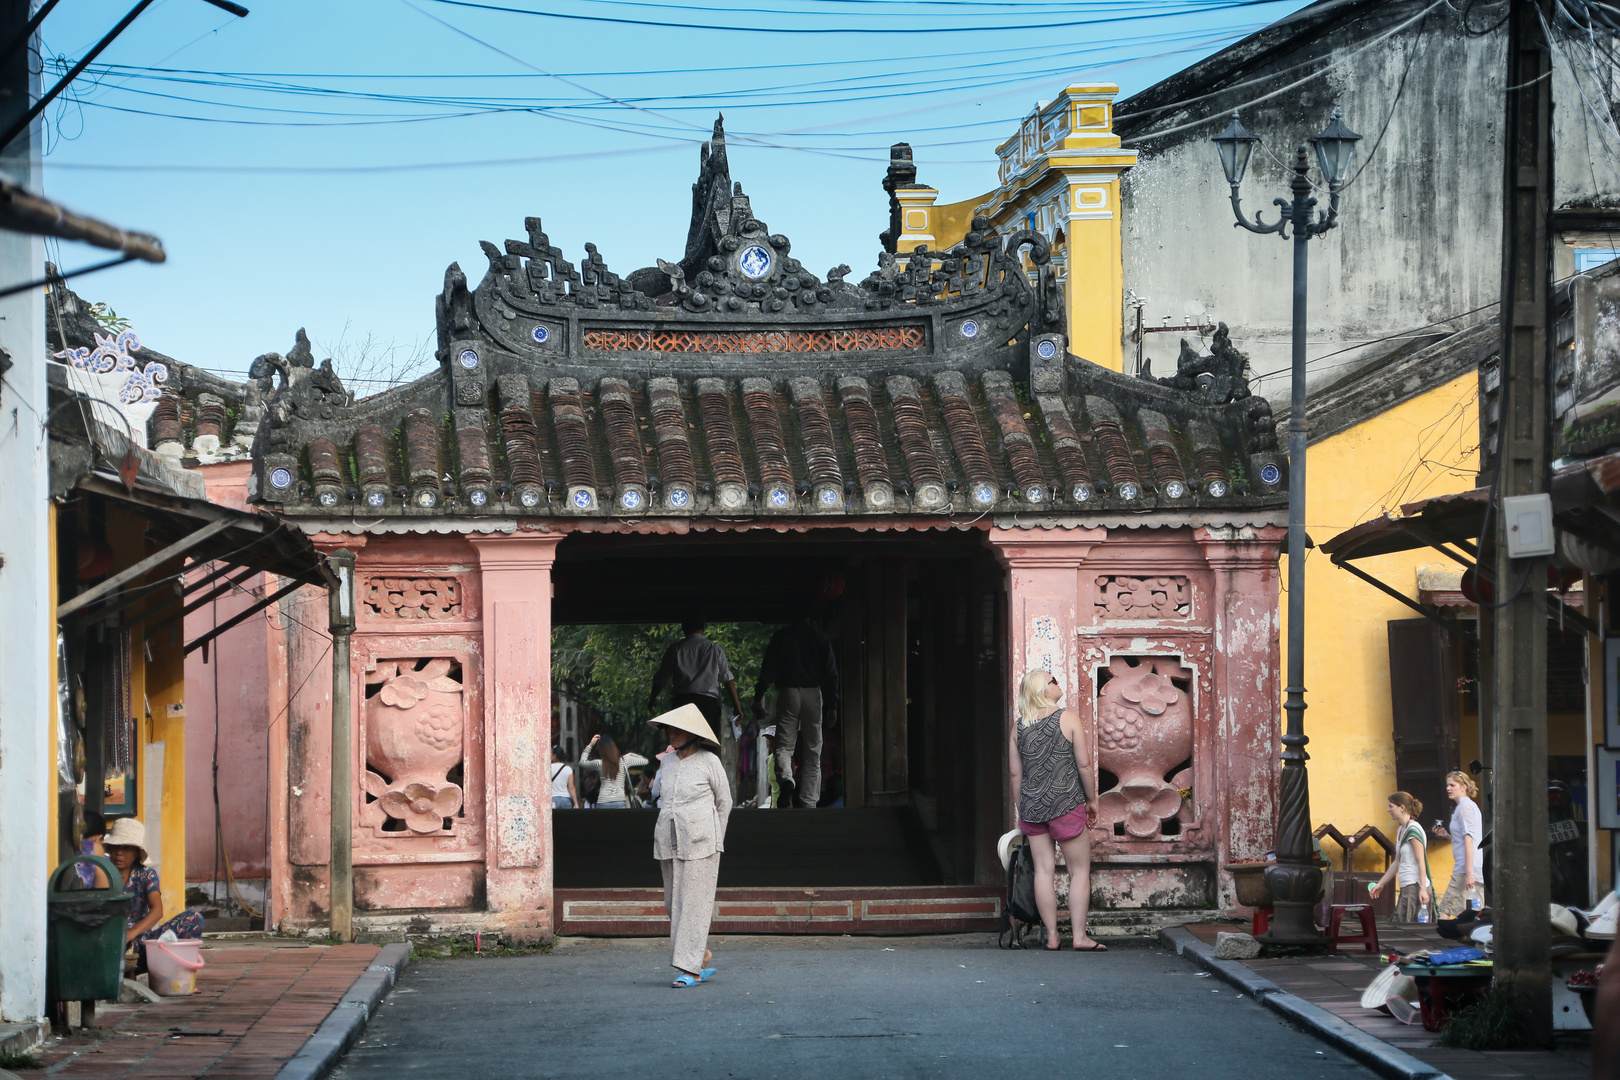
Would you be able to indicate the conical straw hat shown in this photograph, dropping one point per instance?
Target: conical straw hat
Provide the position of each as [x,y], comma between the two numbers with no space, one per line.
[688,718]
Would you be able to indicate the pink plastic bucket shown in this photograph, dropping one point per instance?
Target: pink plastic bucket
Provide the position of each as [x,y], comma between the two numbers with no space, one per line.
[172,966]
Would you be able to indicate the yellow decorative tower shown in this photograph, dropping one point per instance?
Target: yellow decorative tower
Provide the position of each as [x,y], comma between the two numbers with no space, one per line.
[1059,177]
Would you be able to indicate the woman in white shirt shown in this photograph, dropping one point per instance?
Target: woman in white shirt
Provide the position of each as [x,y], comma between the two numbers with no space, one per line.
[1411,866]
[693,807]
[1467,829]
[564,793]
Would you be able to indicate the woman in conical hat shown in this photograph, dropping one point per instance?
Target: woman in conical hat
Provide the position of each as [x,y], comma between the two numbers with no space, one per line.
[694,803]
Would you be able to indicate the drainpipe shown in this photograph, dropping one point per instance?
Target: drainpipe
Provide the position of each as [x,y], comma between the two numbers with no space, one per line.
[341,900]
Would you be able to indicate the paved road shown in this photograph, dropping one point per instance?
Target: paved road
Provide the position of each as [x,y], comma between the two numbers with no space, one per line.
[845,1008]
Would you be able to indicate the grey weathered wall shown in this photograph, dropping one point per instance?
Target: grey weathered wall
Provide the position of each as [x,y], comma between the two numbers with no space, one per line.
[1419,236]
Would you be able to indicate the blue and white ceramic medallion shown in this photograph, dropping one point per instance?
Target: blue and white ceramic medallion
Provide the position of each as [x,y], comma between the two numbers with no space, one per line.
[425,499]
[1046,349]
[530,497]
[478,496]
[1129,490]
[970,329]
[755,262]
[1034,493]
[1269,474]
[1080,492]
[1175,489]
[327,498]
[779,497]
[829,497]
[375,498]
[984,494]
[541,335]
[583,500]
[680,498]
[469,358]
[281,478]
[630,500]
[1217,489]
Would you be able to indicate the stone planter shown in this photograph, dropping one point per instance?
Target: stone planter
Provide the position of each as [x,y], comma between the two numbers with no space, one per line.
[1249,879]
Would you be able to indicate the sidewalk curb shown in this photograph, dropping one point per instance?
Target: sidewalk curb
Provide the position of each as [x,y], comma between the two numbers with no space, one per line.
[1375,1053]
[320,1052]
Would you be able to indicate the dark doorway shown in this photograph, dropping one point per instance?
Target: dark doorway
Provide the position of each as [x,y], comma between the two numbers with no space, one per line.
[914,770]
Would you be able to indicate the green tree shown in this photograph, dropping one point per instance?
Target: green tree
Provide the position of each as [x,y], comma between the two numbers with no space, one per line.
[611,668]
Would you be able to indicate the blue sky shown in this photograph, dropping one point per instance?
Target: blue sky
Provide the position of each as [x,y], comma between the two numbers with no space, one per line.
[320,164]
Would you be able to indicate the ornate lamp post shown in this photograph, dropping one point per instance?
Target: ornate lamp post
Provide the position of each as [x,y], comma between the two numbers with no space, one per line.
[1294,878]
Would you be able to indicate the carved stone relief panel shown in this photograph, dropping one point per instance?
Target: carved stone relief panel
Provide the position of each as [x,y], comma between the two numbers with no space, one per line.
[1123,597]
[427,599]
[1145,738]
[415,728]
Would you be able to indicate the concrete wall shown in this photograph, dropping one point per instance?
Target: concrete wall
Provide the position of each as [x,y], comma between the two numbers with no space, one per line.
[1419,236]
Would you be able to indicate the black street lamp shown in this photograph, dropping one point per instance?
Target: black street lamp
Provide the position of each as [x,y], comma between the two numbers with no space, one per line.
[1294,878]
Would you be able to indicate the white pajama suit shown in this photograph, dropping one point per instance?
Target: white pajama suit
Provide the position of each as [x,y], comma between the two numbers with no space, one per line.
[693,807]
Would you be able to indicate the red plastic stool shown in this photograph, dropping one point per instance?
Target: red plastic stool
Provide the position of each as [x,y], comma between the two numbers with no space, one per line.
[1368,937]
[1262,920]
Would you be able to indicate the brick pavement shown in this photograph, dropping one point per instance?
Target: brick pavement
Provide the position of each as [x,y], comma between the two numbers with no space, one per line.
[266,999]
[1335,982]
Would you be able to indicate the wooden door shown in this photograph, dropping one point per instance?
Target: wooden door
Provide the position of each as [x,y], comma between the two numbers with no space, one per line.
[1423,699]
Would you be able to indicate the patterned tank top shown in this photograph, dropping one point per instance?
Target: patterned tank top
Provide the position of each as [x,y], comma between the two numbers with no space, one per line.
[1051,782]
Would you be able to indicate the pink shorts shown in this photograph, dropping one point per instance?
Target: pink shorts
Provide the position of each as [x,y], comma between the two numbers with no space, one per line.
[1067,827]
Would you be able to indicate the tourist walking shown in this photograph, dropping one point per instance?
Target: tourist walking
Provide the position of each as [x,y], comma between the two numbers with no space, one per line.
[800,664]
[564,792]
[126,848]
[696,669]
[694,805]
[1051,769]
[1465,832]
[1415,901]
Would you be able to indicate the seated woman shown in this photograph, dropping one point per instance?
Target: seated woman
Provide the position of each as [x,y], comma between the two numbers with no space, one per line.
[126,847]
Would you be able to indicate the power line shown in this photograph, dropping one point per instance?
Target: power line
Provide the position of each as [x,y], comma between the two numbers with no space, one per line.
[908,30]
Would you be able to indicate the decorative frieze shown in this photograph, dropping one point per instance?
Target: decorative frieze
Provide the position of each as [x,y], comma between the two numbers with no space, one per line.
[430,599]
[1121,597]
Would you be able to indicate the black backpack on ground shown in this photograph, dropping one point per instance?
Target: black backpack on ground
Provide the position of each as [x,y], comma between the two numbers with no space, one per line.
[1019,913]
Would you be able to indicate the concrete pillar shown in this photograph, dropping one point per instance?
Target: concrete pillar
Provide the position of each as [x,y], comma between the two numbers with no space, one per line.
[28,637]
[516,572]
[1247,667]
[1043,588]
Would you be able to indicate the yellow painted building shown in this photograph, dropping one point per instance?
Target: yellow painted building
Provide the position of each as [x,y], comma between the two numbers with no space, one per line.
[1059,177]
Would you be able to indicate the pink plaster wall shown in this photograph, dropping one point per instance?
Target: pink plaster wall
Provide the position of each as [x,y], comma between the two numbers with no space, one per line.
[237,670]
[1227,635]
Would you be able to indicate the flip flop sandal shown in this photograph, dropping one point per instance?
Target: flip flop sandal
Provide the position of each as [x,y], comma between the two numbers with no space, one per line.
[1095,946]
[706,975]
[683,981]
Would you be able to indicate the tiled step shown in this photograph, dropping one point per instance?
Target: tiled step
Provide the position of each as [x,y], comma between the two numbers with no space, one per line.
[943,909]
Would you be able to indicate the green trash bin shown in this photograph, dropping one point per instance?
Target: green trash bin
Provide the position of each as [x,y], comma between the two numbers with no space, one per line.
[84,950]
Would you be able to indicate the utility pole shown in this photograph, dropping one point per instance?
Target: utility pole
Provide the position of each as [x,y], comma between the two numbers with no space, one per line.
[1517,676]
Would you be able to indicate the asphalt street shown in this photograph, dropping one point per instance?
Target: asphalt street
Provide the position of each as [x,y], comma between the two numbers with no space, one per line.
[851,1008]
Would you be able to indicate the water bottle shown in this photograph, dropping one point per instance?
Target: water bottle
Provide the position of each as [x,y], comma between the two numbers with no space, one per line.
[1475,903]
[1423,913]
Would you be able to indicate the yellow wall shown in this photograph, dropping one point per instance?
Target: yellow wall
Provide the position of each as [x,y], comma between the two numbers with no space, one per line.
[154,686]
[1423,447]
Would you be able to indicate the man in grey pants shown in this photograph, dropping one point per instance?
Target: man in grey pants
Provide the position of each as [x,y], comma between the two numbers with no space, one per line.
[800,664]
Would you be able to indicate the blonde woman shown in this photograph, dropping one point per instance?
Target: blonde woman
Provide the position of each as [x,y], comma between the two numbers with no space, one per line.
[1466,830]
[1051,769]
[1411,866]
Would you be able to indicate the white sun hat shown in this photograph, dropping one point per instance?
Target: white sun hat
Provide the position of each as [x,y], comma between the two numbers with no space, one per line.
[1004,848]
[688,718]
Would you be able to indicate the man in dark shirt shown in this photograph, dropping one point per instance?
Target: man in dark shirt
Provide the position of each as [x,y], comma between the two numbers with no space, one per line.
[800,664]
[696,668]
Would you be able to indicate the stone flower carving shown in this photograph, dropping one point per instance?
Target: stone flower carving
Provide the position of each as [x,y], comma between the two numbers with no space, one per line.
[1150,692]
[422,807]
[415,730]
[403,691]
[1144,729]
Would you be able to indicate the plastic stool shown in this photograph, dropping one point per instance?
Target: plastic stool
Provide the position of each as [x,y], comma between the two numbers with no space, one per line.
[1368,938]
[1262,920]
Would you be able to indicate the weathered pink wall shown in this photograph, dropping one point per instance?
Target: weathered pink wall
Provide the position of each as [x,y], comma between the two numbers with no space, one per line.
[1219,634]
[237,670]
